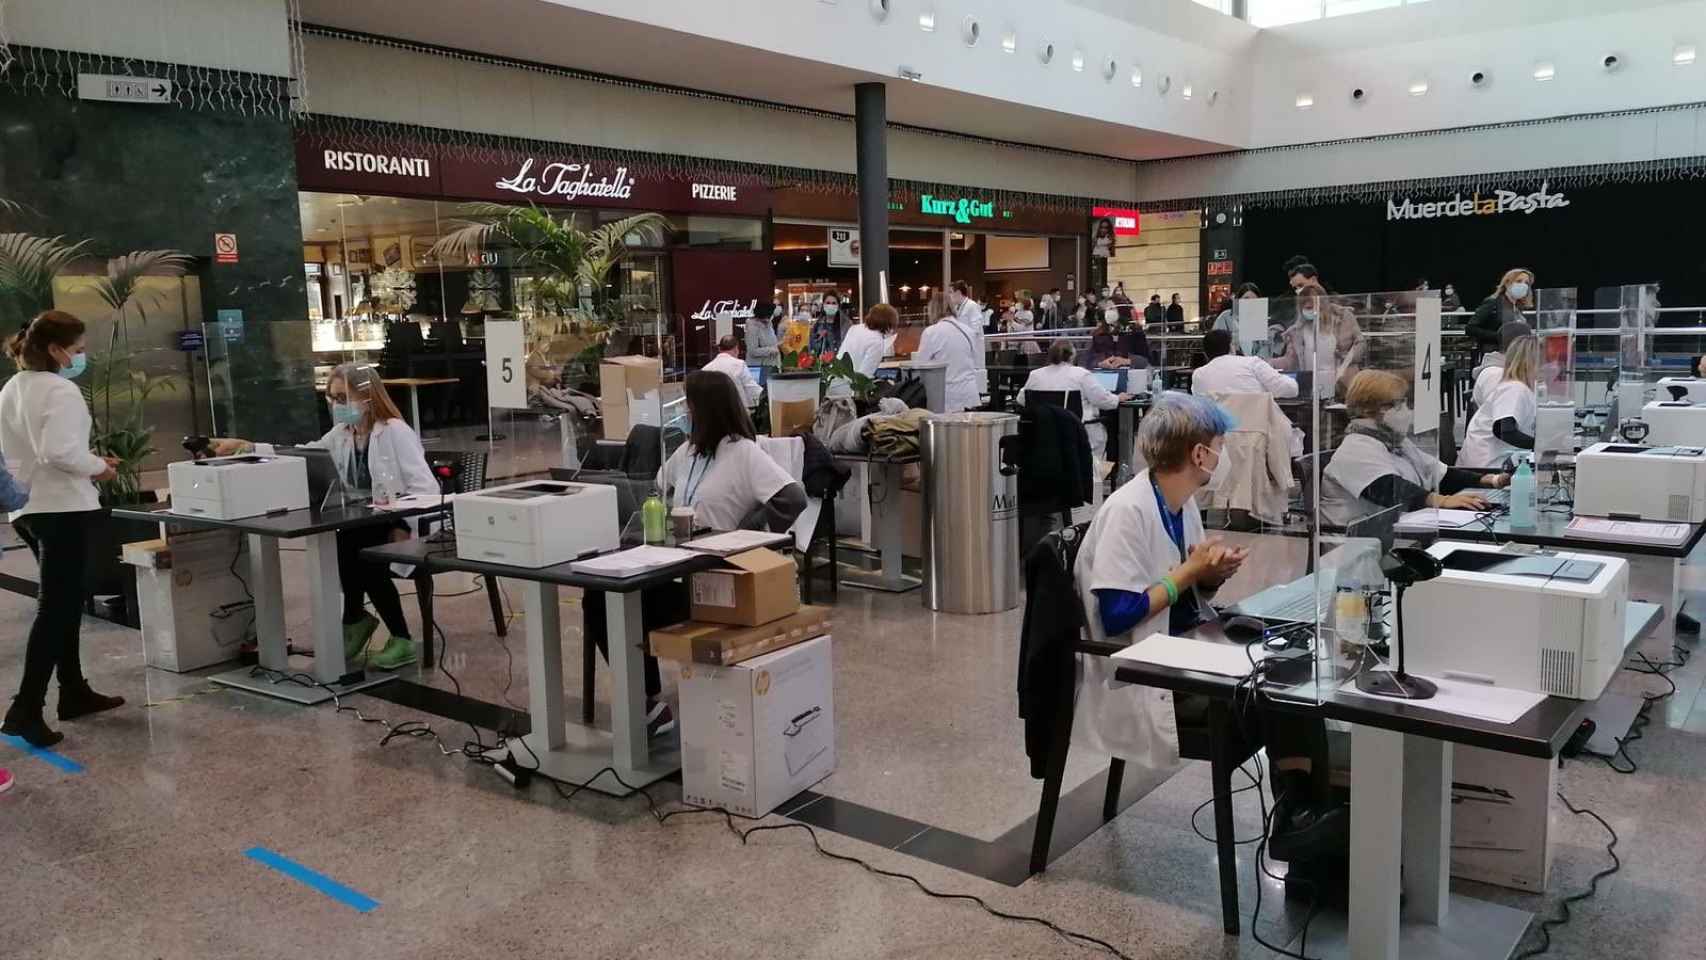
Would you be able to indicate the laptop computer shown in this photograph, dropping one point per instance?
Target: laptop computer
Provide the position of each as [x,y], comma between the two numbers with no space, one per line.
[322,470]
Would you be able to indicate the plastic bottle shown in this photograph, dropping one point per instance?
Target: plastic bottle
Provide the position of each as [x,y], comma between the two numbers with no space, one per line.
[1523,504]
[654,518]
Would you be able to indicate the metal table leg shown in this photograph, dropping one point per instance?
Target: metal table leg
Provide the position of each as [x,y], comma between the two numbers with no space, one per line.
[886,521]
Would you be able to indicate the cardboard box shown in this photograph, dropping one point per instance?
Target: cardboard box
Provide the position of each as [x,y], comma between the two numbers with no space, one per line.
[620,376]
[750,589]
[193,609]
[718,645]
[756,733]
[793,417]
[1501,809]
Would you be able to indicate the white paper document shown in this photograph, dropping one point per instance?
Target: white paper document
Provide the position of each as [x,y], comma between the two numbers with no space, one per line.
[736,541]
[1627,531]
[632,562]
[1462,698]
[1444,519]
[1204,656]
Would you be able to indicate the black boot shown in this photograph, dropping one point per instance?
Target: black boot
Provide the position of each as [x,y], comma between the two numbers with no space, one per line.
[79,701]
[27,723]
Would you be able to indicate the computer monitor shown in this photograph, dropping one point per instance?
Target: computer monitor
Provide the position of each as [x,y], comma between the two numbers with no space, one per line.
[1109,379]
[888,373]
[756,371]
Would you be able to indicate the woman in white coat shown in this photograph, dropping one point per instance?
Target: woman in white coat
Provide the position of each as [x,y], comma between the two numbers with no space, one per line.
[957,340]
[870,340]
[1505,423]
[374,449]
[1062,374]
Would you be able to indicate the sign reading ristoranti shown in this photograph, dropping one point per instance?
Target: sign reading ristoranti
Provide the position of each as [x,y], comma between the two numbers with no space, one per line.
[426,170]
[1476,204]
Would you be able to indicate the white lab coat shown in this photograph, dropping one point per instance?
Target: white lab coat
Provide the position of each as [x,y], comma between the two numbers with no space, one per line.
[1092,395]
[736,369]
[958,342]
[1510,398]
[1233,374]
[395,458]
[1127,548]
[866,348]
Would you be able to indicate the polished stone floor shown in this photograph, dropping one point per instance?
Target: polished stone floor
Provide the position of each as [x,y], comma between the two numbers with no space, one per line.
[141,852]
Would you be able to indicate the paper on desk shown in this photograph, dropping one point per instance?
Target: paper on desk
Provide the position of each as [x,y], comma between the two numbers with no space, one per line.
[413,502]
[736,541]
[1204,656]
[1433,517]
[632,562]
[1628,531]
[1462,698]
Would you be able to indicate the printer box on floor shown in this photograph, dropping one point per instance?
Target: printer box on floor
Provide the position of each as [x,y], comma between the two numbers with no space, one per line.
[717,645]
[759,732]
[194,613]
[1501,809]
[748,590]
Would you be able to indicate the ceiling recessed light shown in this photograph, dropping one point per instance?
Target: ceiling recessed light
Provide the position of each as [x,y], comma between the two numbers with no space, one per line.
[1544,71]
[1418,88]
[1683,55]
[1213,97]
[1045,52]
[1165,85]
[1305,101]
[927,21]
[1137,76]
[1185,91]
[1078,60]
[970,31]
[1010,42]
[1110,67]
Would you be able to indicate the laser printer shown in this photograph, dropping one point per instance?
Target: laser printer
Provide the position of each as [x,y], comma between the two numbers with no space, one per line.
[1628,481]
[1694,386]
[1674,422]
[1548,623]
[231,488]
[537,523]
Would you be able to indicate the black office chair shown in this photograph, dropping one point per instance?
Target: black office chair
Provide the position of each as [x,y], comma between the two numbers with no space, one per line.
[456,472]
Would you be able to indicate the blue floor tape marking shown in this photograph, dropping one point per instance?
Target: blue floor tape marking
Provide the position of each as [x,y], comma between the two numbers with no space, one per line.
[59,760]
[318,881]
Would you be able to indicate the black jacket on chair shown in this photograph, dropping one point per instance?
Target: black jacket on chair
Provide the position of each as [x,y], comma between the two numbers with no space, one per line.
[1048,641]
[1055,473]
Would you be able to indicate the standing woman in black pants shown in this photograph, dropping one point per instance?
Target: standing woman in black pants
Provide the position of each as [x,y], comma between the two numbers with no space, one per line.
[44,431]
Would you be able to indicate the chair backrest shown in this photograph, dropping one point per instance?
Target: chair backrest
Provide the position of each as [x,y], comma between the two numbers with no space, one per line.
[1070,399]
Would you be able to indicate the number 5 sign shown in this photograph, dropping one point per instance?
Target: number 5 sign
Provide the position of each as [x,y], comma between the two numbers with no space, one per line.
[1427,365]
[506,365]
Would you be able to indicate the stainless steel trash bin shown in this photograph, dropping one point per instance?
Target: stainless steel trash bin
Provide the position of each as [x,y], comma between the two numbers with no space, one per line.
[971,508]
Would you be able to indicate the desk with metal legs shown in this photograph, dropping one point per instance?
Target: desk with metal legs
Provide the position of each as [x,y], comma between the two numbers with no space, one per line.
[558,747]
[318,530]
[887,530]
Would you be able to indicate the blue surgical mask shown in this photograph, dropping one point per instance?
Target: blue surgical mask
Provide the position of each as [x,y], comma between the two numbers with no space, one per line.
[831,309]
[79,363]
[1517,290]
[347,414]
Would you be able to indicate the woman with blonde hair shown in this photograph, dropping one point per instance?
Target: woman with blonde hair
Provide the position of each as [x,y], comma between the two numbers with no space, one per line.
[1378,468]
[1505,423]
[375,450]
[1509,300]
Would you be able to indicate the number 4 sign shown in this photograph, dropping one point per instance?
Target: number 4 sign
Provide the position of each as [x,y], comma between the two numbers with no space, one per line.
[506,365]
[1427,365]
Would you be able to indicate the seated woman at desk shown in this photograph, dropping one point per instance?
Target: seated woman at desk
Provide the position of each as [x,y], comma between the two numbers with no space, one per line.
[730,483]
[1063,375]
[375,449]
[1505,423]
[1378,468]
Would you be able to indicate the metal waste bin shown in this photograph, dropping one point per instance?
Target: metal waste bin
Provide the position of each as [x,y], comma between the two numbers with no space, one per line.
[971,510]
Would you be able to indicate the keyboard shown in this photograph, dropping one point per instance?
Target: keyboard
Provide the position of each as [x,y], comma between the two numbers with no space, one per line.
[1294,601]
[1497,499]
[1300,607]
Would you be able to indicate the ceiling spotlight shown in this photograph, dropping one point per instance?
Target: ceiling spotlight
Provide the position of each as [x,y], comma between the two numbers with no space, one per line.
[1185,91]
[1305,101]
[1359,95]
[1611,62]
[1010,42]
[1544,71]
[1683,55]
[970,31]
[1110,67]
[1078,60]
[1137,76]
[1418,88]
[1480,78]
[927,21]
[1045,52]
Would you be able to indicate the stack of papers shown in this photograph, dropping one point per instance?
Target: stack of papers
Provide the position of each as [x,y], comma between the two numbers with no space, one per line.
[736,541]
[1444,519]
[1627,531]
[631,563]
[1222,658]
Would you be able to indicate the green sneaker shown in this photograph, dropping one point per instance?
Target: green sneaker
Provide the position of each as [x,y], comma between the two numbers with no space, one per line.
[396,652]
[356,636]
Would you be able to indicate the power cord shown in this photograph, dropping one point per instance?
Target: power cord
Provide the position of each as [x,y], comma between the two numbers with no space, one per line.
[1644,716]
[1563,917]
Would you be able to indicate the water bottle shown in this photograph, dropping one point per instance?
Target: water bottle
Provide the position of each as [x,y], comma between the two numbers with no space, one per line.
[653,518]
[1523,503]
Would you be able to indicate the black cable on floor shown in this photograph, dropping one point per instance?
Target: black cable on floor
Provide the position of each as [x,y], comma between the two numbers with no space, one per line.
[1254,784]
[1563,917]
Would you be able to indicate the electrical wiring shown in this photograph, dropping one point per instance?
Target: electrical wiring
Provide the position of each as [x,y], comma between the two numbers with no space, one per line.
[1563,917]
[1643,717]
[1254,784]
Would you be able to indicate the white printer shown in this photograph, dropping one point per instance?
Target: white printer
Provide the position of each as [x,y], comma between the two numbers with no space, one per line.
[538,523]
[1625,480]
[1695,387]
[1674,423]
[1548,623]
[231,488]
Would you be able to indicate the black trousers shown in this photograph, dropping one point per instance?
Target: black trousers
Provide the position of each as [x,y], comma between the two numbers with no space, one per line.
[660,606]
[362,581]
[60,542]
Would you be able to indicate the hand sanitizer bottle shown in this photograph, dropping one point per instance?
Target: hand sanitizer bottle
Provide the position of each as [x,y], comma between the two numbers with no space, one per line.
[1523,505]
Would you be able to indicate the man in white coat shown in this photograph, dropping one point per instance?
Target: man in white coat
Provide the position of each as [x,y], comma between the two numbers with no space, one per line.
[957,340]
[728,363]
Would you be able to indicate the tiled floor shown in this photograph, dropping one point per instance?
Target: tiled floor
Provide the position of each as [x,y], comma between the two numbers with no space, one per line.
[142,853]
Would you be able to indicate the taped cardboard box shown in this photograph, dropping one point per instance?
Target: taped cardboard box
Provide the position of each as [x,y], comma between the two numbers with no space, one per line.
[620,376]
[719,645]
[748,590]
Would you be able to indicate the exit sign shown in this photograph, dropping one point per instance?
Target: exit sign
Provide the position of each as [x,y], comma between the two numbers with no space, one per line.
[101,86]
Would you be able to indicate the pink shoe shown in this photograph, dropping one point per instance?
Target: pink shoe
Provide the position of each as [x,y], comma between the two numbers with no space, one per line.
[6,780]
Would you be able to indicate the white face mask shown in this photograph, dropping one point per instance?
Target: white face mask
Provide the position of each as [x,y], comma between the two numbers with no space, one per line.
[1111,315]
[1222,467]
[1106,292]
[1399,420]
[1517,290]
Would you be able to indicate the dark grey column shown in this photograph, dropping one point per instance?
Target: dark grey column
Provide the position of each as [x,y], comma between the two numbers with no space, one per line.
[871,118]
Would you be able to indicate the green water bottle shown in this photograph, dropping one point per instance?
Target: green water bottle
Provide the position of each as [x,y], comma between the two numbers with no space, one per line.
[653,517]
